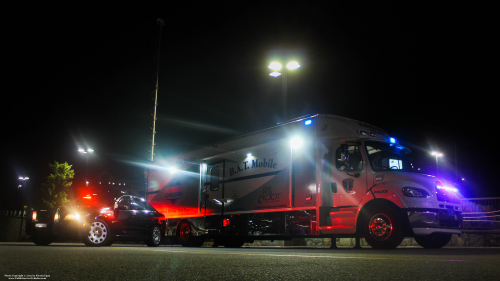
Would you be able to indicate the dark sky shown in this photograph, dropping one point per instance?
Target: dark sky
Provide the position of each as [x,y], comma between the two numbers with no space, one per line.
[85,75]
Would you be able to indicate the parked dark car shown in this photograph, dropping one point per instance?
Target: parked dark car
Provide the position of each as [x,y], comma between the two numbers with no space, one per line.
[130,219]
[45,225]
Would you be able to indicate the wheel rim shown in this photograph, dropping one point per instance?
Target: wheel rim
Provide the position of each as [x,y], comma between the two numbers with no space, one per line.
[185,232]
[98,232]
[380,227]
[156,235]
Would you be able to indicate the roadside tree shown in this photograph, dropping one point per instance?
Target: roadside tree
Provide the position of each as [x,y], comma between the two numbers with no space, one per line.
[54,191]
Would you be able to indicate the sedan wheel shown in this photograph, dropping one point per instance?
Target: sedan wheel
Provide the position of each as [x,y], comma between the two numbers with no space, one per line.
[98,234]
[155,237]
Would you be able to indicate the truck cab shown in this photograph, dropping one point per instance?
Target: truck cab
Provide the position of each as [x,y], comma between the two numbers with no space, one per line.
[376,193]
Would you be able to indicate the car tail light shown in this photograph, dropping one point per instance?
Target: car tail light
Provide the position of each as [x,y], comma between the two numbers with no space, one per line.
[33,216]
[226,222]
[107,213]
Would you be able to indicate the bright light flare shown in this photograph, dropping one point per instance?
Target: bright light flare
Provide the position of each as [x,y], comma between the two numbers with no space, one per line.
[447,188]
[275,74]
[296,142]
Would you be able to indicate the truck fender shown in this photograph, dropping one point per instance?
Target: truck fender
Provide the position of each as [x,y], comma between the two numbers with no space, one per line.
[388,192]
[373,203]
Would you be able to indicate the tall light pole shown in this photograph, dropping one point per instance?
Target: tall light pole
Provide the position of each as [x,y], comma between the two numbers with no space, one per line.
[86,152]
[437,154]
[276,66]
[160,23]
[24,191]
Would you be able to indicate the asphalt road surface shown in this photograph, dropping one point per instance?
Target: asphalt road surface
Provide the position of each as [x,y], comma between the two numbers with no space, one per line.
[134,262]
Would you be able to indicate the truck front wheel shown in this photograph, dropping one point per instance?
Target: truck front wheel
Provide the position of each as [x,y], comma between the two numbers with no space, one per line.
[382,228]
[433,241]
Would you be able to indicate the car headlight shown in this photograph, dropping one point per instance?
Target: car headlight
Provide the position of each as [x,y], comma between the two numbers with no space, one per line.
[415,192]
[72,217]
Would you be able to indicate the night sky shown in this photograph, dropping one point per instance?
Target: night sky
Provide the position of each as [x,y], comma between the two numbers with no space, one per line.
[84,76]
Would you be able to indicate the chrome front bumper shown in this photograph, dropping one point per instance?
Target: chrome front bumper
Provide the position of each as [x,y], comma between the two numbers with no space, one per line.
[428,221]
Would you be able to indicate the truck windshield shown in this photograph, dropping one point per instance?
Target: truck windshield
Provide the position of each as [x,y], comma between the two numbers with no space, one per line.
[388,157]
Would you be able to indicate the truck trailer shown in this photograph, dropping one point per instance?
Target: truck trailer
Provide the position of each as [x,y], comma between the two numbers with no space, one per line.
[323,176]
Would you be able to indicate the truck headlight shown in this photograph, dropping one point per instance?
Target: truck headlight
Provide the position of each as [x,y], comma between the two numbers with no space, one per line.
[415,192]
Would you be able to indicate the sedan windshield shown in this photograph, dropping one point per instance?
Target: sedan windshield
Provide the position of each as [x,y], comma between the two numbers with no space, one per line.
[388,157]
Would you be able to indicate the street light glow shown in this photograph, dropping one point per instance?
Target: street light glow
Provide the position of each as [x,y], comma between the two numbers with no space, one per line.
[437,154]
[275,66]
[293,65]
[89,150]
[275,74]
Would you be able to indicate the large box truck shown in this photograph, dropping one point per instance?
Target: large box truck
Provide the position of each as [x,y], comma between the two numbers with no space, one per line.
[321,176]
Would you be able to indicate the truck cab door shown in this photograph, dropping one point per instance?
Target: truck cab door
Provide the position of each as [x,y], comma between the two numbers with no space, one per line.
[214,189]
[349,178]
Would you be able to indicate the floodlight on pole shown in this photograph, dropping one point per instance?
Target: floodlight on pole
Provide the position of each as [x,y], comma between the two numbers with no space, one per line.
[293,65]
[25,193]
[437,155]
[277,67]
[86,152]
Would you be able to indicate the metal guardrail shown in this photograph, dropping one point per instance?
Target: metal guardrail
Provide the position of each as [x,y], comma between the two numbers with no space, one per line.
[481,213]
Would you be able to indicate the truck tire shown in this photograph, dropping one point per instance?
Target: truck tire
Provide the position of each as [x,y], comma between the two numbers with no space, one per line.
[433,241]
[154,237]
[98,234]
[186,236]
[382,228]
[42,239]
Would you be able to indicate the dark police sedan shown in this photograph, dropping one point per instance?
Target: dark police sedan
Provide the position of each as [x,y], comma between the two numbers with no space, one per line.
[131,219]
